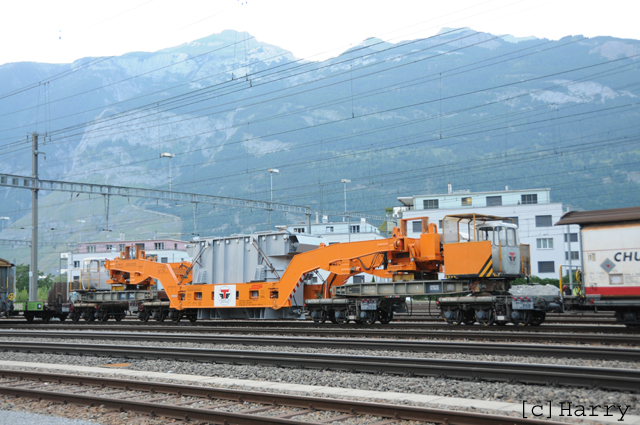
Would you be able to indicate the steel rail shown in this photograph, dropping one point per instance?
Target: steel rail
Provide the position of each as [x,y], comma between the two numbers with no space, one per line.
[612,379]
[527,350]
[465,333]
[214,324]
[397,412]
[556,320]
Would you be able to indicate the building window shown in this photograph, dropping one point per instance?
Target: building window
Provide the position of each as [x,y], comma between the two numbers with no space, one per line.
[140,246]
[466,202]
[515,221]
[76,264]
[164,260]
[430,204]
[546,267]
[354,229]
[543,221]
[298,230]
[91,248]
[109,247]
[494,201]
[545,243]
[529,199]
[329,229]
[158,245]
[121,247]
[417,226]
[573,237]
[440,224]
[575,255]
[175,246]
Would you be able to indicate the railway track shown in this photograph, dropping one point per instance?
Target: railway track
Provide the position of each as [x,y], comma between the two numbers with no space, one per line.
[216,405]
[309,328]
[527,350]
[603,378]
[522,336]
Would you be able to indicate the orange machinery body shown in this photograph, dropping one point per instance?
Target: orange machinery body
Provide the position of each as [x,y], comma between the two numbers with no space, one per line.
[131,270]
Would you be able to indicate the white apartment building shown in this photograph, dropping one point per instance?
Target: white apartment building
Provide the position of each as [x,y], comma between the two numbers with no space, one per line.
[166,250]
[531,209]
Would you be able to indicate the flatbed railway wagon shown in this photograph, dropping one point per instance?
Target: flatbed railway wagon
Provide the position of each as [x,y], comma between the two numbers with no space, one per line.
[610,256]
[7,287]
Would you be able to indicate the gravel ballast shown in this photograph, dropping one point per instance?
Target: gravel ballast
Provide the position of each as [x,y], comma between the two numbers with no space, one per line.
[493,391]
[615,364]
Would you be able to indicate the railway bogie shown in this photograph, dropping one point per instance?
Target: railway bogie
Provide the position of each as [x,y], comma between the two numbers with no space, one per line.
[498,309]
[358,310]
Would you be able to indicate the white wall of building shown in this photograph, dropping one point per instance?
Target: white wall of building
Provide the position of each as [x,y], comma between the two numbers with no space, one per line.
[532,219]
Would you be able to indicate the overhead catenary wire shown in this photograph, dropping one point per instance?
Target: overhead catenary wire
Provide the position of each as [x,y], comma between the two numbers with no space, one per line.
[484,89]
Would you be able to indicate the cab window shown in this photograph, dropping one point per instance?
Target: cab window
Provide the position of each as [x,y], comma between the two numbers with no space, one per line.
[485,234]
[502,235]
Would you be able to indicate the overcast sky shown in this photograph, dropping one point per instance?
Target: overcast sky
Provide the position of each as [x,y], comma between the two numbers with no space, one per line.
[65,30]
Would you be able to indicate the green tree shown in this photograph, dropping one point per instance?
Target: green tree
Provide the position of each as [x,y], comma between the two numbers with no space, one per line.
[22,283]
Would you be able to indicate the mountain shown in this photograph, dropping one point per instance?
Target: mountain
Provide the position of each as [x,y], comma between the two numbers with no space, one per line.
[470,108]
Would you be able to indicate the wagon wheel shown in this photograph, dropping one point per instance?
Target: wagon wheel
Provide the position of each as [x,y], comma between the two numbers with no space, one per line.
[455,316]
[486,317]
[342,320]
[527,318]
[370,320]
[538,318]
[321,318]
[102,316]
[385,317]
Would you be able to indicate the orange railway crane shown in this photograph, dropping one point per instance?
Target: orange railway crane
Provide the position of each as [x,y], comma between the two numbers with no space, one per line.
[276,275]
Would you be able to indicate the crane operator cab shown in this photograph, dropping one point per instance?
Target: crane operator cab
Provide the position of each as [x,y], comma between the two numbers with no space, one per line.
[484,249]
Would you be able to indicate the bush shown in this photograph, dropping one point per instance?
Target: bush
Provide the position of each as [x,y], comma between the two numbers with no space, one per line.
[539,281]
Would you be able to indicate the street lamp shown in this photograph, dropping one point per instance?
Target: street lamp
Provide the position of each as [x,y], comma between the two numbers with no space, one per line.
[82,222]
[345,181]
[168,155]
[271,171]
[2,219]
